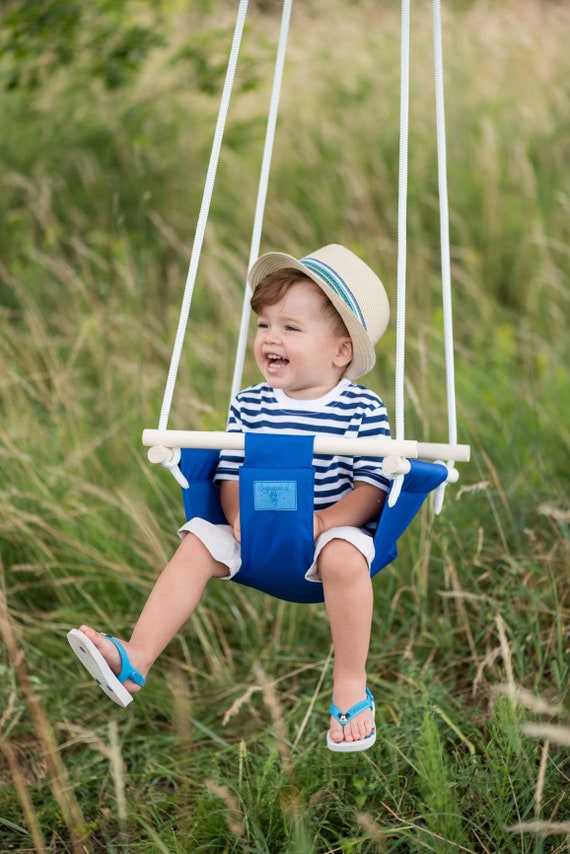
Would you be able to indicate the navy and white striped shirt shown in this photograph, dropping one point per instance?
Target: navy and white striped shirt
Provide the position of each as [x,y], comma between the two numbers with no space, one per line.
[347,410]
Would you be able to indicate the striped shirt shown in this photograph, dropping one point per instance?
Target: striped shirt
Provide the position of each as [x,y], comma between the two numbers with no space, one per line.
[347,410]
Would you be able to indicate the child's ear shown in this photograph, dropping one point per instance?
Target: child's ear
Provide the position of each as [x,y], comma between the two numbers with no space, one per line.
[344,353]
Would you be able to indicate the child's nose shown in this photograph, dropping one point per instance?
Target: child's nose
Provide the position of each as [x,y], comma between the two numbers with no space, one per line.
[271,334]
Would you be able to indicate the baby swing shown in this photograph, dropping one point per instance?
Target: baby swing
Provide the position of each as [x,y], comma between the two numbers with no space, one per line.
[276,478]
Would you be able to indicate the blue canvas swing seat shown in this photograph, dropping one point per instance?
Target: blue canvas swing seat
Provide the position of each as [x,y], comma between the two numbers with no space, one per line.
[276,485]
[276,479]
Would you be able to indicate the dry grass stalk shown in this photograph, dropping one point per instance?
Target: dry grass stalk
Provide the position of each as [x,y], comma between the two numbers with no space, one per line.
[505,650]
[182,714]
[273,705]
[539,790]
[25,800]
[59,781]
[239,702]
[457,589]
[233,817]
[372,830]
[316,693]
[558,734]
[118,773]
[548,828]
[525,698]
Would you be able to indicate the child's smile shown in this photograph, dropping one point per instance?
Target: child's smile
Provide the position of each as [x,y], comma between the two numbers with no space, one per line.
[275,362]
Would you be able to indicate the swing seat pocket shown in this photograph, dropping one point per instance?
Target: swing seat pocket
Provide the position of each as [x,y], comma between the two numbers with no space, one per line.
[276,488]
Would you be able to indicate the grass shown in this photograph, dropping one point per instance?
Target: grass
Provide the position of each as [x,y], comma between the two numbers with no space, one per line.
[470,652]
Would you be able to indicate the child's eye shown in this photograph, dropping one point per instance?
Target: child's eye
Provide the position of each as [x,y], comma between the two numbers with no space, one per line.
[262,324]
[291,328]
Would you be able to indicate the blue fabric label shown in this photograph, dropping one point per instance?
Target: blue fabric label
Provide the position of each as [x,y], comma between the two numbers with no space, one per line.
[275,495]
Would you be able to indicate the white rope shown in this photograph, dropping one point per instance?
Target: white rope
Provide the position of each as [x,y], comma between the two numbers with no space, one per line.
[203,217]
[444,240]
[444,223]
[262,193]
[402,222]
[399,396]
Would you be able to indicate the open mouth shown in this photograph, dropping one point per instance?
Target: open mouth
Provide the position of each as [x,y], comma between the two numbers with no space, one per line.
[275,362]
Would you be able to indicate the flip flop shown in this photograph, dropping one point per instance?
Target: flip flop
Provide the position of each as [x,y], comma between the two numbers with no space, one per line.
[343,718]
[93,661]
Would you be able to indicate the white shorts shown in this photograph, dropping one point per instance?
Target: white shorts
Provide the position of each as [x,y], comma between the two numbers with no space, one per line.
[223,546]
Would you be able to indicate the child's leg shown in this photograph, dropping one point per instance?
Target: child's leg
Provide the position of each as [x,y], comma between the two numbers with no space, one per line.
[171,602]
[347,587]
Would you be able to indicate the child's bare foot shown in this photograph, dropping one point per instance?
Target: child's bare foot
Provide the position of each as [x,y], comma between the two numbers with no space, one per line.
[360,725]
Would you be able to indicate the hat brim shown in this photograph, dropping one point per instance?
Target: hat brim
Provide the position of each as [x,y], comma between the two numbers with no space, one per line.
[363,354]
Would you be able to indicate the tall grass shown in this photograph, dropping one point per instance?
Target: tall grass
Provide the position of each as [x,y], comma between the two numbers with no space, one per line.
[224,750]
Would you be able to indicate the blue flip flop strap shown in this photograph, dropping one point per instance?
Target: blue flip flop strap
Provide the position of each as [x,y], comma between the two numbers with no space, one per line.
[344,717]
[127,669]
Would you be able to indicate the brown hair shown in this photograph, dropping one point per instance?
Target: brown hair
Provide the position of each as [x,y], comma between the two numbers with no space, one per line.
[273,287]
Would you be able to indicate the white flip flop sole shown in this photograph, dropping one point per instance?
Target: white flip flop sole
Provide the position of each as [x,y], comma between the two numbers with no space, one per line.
[351,746]
[93,661]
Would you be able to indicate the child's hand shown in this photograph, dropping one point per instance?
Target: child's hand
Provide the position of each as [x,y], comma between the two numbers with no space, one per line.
[318,525]
[237,530]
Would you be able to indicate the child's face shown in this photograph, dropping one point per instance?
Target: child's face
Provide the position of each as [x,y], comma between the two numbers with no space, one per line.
[297,348]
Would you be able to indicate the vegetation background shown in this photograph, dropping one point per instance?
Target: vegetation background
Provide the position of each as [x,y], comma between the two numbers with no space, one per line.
[108,112]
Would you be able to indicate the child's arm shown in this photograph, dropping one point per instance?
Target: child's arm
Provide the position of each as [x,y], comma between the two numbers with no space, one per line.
[357,508]
[229,498]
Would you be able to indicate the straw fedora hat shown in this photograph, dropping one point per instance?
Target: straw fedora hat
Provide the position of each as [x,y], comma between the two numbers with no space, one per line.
[353,288]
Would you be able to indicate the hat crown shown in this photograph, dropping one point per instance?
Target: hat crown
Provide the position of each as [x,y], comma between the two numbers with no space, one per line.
[355,283]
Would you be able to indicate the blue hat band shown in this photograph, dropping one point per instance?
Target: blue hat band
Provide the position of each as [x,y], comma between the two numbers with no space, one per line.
[336,284]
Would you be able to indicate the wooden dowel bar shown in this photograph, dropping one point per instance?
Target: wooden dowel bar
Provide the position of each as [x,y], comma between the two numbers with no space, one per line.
[379,447]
